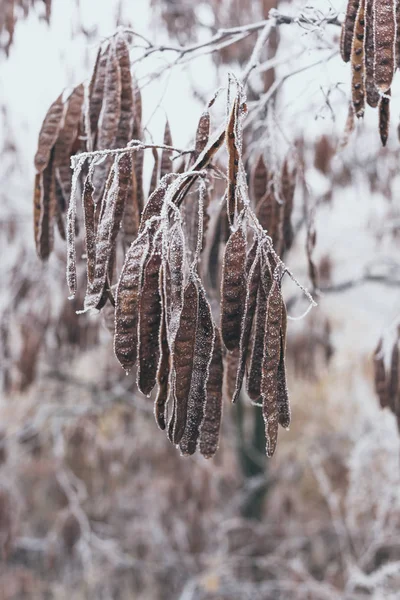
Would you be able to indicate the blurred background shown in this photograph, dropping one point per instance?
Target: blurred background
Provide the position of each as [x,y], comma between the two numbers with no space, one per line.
[94,502]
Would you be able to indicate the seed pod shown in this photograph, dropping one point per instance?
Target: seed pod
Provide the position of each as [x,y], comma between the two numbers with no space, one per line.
[267,213]
[48,134]
[137,171]
[282,390]
[384,19]
[198,387]
[149,323]
[253,277]
[288,185]
[233,162]
[126,118]
[202,133]
[381,384]
[233,289]
[393,379]
[45,239]
[384,117]
[164,365]
[259,180]
[37,197]
[137,102]
[232,361]
[369,49]
[127,303]
[270,363]
[154,174]
[124,172]
[348,29]
[183,356]
[357,62]
[398,35]
[209,433]
[175,295]
[254,371]
[166,166]
[154,204]
[96,92]
[90,235]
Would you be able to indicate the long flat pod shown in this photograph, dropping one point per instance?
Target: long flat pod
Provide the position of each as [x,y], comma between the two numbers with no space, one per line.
[282,389]
[154,204]
[233,160]
[96,92]
[288,185]
[369,49]
[348,29]
[45,239]
[270,363]
[124,170]
[380,379]
[209,432]
[37,194]
[127,303]
[198,387]
[202,133]
[150,311]
[48,134]
[126,118]
[358,62]
[183,356]
[257,352]
[233,289]
[65,141]
[137,170]
[175,292]
[166,165]
[384,19]
[163,370]
[253,271]
[384,117]
[259,180]
[90,234]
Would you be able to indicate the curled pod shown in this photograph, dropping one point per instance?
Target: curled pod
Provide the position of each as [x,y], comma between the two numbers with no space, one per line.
[127,303]
[346,39]
[358,62]
[270,363]
[183,356]
[233,289]
[209,431]
[384,24]
[198,387]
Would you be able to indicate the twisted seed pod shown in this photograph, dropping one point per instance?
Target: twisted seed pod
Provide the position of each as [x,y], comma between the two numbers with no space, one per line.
[282,390]
[270,363]
[253,277]
[65,141]
[183,355]
[348,29]
[233,289]
[48,134]
[381,384]
[233,161]
[164,364]
[384,118]
[198,387]
[209,432]
[369,49]
[358,63]
[256,358]
[127,303]
[384,19]
[149,323]
[259,180]
[202,133]
[90,234]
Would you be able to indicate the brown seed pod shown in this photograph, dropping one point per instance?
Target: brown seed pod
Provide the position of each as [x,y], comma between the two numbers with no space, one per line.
[65,141]
[384,20]
[96,92]
[45,238]
[166,165]
[358,63]
[233,289]
[48,133]
[253,277]
[111,108]
[154,173]
[154,204]
[163,371]
[198,387]
[37,197]
[90,234]
[381,384]
[175,273]
[124,173]
[267,212]
[209,432]
[202,133]
[259,180]
[137,171]
[233,162]
[127,303]
[348,26]
[369,49]
[393,379]
[398,35]
[384,117]
[231,367]
[282,389]
[288,186]
[126,118]
[270,363]
[256,358]
[183,355]
[137,102]
[149,322]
